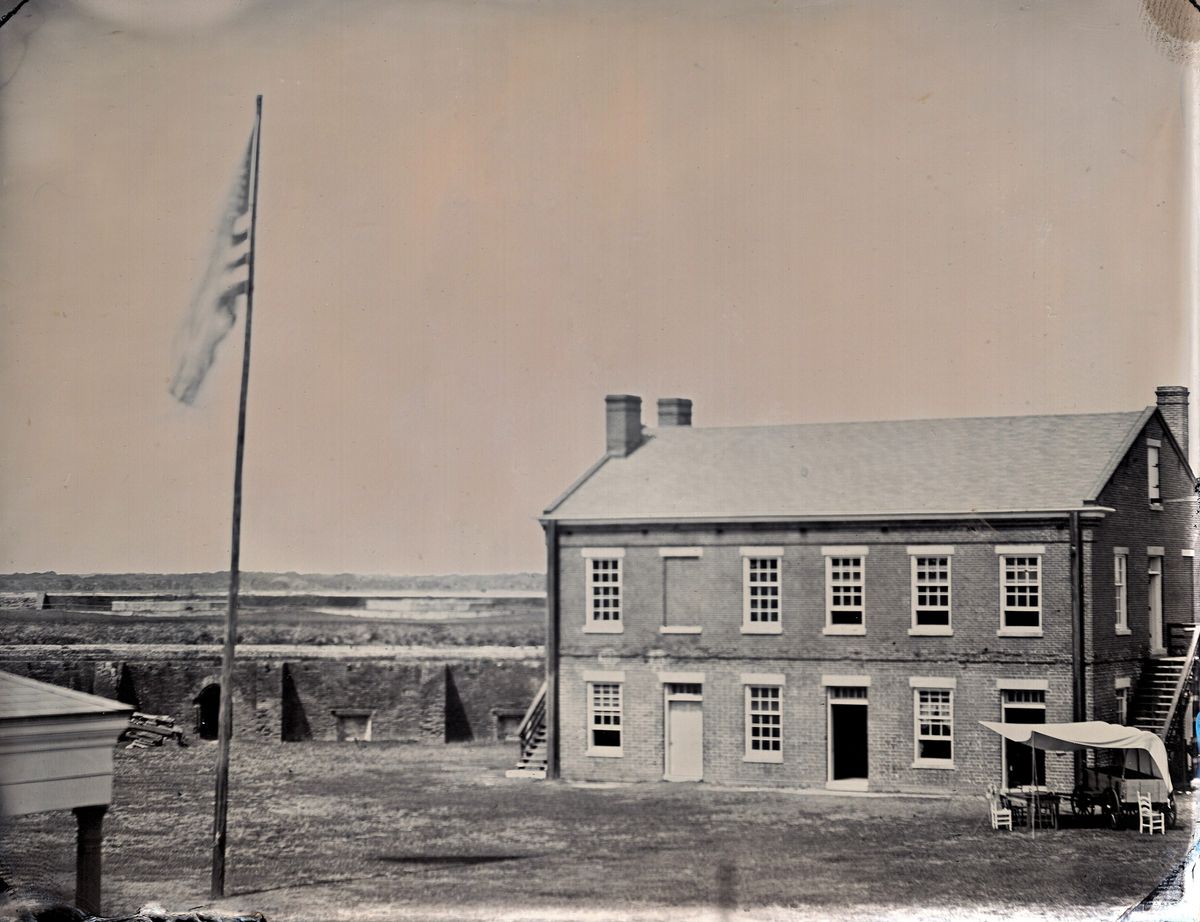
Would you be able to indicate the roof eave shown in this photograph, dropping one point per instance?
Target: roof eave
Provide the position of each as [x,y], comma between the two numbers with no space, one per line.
[579,482]
[1089,511]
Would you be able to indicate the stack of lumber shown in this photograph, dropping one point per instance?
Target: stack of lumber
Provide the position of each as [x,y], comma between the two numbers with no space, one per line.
[146,730]
[62,913]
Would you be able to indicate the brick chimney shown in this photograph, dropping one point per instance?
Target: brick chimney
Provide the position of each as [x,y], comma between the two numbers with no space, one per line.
[1173,404]
[623,416]
[674,411]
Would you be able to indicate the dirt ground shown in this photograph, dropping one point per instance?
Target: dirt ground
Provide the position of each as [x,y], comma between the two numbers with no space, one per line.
[394,831]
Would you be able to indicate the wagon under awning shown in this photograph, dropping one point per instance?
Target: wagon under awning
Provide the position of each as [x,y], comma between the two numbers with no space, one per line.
[1144,751]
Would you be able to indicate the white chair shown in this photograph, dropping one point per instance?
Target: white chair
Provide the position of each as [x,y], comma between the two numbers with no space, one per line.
[1001,815]
[1149,819]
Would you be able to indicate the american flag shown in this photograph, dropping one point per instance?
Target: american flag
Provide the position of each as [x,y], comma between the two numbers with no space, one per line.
[226,279]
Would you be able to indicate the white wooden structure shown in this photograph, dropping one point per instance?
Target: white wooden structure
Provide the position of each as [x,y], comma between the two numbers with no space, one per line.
[56,753]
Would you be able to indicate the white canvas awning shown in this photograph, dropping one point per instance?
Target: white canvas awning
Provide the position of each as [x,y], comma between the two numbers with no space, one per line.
[1144,751]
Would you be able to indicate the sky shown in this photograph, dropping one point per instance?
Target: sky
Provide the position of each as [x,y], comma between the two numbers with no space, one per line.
[478,218]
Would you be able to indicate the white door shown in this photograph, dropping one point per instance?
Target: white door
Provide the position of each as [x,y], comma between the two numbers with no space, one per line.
[1156,604]
[685,741]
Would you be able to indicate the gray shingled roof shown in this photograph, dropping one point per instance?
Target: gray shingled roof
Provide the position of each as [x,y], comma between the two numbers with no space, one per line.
[25,699]
[923,466]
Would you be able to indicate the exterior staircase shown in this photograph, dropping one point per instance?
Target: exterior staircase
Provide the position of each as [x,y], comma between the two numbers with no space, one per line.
[532,731]
[1165,688]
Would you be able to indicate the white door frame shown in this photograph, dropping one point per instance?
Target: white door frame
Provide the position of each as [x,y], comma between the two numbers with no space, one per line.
[668,697]
[1017,705]
[1154,602]
[842,784]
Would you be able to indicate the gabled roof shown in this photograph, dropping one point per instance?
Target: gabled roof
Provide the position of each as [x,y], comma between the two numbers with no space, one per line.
[921,467]
[29,699]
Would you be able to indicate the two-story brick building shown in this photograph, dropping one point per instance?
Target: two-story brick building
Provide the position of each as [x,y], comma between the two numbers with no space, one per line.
[841,604]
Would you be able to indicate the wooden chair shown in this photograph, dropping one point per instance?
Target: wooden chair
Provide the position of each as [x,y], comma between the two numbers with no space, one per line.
[1149,819]
[1001,815]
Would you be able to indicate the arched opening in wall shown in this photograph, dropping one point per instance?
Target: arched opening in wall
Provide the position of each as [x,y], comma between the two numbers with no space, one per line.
[458,724]
[126,690]
[208,711]
[294,727]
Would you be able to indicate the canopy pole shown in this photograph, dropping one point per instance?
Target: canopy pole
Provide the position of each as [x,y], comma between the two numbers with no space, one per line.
[1033,815]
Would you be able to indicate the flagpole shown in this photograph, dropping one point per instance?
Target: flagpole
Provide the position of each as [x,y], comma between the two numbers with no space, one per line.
[225,723]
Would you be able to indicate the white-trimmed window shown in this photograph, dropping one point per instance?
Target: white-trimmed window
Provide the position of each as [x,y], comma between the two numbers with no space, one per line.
[930,593]
[1021,592]
[933,727]
[604,718]
[761,590]
[1121,588]
[764,723]
[603,567]
[1023,697]
[1122,694]
[1153,447]
[845,590]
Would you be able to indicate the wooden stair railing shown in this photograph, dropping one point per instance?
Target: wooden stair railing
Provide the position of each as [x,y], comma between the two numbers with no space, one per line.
[1184,676]
[534,717]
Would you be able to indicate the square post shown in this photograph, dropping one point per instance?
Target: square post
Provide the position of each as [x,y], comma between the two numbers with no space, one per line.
[88,839]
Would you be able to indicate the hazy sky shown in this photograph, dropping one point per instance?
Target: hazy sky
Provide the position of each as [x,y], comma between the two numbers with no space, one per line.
[478,218]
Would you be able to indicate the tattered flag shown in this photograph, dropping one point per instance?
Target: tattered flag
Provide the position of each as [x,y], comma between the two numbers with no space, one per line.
[214,306]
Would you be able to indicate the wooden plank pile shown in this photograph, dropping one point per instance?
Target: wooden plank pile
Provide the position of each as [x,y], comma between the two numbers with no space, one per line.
[147,730]
[60,912]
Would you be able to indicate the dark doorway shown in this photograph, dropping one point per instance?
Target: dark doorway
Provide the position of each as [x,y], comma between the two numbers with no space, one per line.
[1019,767]
[126,691]
[294,727]
[458,724]
[208,711]
[847,741]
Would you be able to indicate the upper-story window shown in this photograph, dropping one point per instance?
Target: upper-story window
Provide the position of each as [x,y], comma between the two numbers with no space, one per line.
[845,589]
[1121,587]
[1152,452]
[603,587]
[682,590]
[930,589]
[1021,589]
[761,589]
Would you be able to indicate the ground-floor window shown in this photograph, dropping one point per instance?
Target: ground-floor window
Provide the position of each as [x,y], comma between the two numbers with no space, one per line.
[1022,764]
[604,718]
[764,723]
[934,726]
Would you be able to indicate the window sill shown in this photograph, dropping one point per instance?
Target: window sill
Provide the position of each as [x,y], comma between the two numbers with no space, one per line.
[775,758]
[676,629]
[775,628]
[606,752]
[601,628]
[1156,507]
[930,631]
[844,630]
[1124,631]
[944,764]
[1019,632]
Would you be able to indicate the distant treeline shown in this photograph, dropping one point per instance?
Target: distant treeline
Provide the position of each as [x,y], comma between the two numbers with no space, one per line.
[252,581]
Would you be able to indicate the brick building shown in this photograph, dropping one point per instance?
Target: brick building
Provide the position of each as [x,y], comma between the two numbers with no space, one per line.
[841,604]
